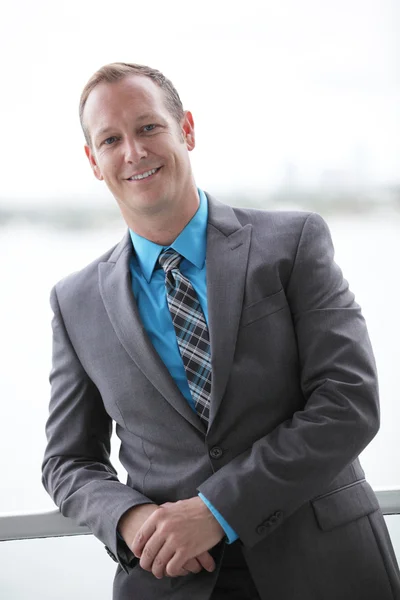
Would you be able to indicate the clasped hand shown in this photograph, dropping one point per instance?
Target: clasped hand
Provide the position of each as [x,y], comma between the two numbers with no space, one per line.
[175,539]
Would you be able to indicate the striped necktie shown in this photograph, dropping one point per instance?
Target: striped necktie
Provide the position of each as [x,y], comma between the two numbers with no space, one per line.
[191,331]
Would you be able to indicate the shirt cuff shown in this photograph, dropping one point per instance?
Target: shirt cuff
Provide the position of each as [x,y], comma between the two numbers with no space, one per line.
[230,533]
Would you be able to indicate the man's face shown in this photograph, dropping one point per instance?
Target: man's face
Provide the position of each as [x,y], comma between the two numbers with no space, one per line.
[137,147]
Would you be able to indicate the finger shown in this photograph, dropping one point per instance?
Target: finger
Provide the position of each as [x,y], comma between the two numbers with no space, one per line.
[178,573]
[150,552]
[206,561]
[192,566]
[175,567]
[144,534]
[182,572]
[160,561]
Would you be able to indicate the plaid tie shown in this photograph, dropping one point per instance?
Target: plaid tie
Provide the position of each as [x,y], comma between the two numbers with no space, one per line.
[191,331]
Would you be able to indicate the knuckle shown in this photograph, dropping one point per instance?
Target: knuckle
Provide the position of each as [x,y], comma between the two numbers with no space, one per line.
[147,552]
[184,547]
[172,538]
[163,528]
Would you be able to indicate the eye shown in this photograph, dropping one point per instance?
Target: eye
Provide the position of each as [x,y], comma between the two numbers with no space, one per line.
[148,128]
[110,140]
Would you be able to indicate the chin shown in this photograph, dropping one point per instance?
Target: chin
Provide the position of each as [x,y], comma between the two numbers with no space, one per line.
[146,202]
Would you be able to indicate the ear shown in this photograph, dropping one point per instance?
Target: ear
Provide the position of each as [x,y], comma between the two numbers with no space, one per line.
[93,163]
[188,130]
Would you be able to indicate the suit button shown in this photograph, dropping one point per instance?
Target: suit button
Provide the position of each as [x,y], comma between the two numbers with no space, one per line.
[274,519]
[216,452]
[261,529]
[278,514]
[111,554]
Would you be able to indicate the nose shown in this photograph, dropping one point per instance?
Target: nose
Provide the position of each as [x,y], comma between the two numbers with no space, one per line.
[134,151]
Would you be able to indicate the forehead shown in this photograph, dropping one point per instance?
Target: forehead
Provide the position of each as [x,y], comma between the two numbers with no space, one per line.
[127,98]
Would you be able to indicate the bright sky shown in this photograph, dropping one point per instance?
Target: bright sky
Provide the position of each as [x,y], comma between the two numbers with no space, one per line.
[305,87]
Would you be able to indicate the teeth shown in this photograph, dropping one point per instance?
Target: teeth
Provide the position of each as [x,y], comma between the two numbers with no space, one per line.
[143,175]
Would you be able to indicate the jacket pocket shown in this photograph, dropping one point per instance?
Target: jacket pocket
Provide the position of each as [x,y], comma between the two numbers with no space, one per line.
[344,505]
[262,308]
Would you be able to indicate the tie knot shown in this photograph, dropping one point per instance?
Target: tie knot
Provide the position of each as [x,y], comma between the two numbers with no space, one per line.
[169,259]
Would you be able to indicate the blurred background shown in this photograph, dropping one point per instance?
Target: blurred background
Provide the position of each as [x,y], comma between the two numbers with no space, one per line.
[296,106]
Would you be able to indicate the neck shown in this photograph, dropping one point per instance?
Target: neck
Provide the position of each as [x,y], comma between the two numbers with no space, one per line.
[164,226]
[164,232]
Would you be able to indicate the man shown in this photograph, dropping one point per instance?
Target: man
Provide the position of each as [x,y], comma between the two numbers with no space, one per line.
[228,349]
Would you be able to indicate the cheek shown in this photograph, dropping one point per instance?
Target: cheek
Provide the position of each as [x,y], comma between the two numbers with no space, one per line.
[109,168]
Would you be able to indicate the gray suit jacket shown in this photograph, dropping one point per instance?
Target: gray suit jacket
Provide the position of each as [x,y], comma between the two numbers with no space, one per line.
[294,401]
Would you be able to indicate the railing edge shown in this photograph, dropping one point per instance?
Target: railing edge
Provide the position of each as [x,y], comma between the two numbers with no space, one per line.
[53,524]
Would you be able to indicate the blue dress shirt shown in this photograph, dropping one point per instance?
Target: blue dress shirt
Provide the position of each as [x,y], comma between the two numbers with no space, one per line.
[148,286]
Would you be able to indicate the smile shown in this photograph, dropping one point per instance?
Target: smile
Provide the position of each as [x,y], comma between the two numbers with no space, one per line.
[144,175]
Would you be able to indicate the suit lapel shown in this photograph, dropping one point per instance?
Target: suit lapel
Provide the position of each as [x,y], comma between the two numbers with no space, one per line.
[228,245]
[117,295]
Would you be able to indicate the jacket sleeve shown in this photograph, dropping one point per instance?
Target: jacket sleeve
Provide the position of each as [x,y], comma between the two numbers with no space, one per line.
[303,455]
[77,472]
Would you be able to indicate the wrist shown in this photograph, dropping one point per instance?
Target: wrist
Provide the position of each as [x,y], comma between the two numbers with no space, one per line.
[131,521]
[209,515]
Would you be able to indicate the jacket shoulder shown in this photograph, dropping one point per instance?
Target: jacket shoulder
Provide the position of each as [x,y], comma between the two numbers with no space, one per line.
[274,218]
[286,226]
[84,279]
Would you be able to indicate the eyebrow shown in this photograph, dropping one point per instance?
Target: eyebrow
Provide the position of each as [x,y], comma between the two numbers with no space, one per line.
[102,132]
[146,116]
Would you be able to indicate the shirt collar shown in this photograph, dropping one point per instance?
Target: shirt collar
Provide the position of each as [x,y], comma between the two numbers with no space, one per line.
[190,243]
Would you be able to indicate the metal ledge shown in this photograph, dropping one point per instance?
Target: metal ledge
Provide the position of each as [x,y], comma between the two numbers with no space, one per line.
[25,526]
[389,500]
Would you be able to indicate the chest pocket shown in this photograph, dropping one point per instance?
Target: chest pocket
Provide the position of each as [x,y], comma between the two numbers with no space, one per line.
[264,307]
